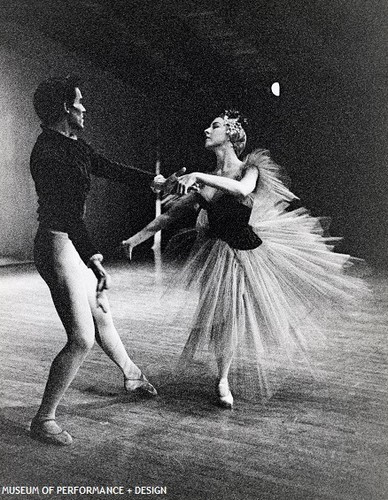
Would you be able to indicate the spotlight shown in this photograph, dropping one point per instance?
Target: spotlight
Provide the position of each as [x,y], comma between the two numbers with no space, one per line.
[275,89]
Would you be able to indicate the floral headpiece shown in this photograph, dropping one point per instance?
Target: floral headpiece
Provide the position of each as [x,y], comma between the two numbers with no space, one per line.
[235,124]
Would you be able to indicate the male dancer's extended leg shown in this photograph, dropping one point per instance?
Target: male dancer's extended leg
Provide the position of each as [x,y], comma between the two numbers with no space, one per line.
[109,340]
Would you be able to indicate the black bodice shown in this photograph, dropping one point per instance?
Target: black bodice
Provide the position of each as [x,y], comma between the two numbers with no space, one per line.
[229,220]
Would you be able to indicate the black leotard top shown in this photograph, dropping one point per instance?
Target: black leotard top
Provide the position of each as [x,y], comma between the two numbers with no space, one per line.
[229,221]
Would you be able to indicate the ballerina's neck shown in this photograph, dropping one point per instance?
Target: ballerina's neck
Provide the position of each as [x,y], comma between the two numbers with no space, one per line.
[227,162]
[229,169]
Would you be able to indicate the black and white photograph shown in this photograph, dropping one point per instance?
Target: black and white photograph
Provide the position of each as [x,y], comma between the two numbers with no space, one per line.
[194,249]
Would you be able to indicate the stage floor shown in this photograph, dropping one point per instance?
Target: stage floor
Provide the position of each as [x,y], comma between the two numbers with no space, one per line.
[313,440]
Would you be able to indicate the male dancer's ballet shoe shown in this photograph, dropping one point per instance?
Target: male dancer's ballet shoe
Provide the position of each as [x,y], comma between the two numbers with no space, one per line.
[141,384]
[225,397]
[59,438]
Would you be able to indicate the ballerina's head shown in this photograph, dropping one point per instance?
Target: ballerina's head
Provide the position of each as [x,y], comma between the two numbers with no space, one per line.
[229,127]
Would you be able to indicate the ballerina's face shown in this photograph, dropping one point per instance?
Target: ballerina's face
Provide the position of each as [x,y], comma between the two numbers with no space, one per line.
[216,134]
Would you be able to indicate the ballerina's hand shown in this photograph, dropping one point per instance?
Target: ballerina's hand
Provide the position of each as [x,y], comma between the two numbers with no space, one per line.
[128,247]
[188,182]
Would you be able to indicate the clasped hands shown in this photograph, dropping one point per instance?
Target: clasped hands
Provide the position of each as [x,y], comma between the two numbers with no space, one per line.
[177,183]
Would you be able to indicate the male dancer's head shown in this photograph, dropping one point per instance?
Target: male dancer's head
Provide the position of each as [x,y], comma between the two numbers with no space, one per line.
[58,103]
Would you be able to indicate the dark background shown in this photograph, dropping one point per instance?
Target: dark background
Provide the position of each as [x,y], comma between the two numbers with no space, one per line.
[157,72]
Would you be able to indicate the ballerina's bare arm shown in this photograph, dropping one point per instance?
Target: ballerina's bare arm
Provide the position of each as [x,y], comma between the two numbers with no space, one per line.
[234,187]
[178,210]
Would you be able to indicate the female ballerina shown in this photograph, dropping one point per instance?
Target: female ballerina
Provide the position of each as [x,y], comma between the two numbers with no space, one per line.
[65,257]
[266,276]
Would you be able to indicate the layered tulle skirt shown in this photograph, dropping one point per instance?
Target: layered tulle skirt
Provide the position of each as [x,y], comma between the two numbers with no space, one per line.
[269,309]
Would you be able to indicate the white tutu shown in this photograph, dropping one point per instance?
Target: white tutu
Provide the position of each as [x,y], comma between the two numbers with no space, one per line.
[271,306]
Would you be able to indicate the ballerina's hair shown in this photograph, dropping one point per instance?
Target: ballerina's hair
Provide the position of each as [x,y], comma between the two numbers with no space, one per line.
[235,123]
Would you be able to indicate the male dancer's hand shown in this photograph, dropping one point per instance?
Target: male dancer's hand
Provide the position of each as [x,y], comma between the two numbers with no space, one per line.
[167,185]
[103,281]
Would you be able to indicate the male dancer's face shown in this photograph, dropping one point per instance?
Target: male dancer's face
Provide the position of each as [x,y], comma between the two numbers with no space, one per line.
[76,112]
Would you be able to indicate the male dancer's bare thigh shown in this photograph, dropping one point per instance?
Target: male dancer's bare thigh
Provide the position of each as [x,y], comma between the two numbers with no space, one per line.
[61,267]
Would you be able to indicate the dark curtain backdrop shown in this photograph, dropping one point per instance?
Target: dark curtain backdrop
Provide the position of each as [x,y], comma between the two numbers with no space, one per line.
[328,128]
[119,121]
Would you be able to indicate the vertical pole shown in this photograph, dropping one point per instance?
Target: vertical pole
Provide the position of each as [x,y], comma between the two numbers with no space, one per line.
[157,246]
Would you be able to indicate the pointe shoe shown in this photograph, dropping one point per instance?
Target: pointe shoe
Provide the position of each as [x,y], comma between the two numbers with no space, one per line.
[225,397]
[141,384]
[60,438]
